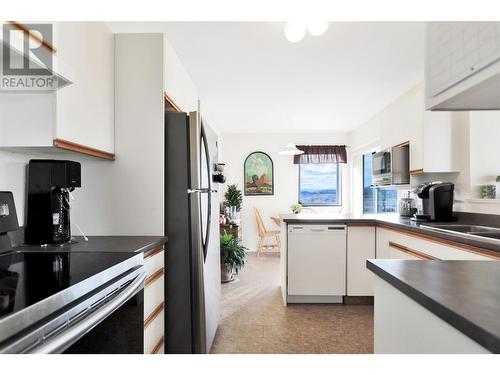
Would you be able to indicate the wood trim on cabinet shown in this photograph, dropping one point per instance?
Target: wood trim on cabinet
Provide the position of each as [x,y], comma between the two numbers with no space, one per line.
[405,143]
[158,345]
[156,250]
[32,35]
[469,248]
[76,147]
[172,103]
[155,276]
[417,171]
[159,309]
[412,252]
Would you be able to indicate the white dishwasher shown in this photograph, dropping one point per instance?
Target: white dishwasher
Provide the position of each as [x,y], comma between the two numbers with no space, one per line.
[316,263]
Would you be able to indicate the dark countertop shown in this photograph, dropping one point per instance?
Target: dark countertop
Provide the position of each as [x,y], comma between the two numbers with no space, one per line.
[394,220]
[465,294]
[133,244]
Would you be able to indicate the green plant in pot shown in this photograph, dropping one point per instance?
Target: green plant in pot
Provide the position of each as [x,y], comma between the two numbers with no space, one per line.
[233,256]
[234,197]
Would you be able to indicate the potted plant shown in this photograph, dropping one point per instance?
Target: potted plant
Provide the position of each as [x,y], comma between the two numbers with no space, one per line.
[233,196]
[296,208]
[232,256]
[234,199]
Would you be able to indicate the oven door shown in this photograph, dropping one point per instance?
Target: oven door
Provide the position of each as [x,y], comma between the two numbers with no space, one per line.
[109,322]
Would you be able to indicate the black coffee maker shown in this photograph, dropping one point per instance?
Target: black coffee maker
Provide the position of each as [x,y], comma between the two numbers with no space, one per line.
[437,201]
[48,211]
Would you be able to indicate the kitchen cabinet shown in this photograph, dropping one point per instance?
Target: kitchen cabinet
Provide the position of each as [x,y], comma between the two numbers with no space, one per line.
[462,66]
[382,243]
[360,247]
[154,301]
[442,145]
[78,117]
[400,244]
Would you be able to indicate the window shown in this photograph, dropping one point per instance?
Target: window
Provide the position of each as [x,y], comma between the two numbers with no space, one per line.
[376,200]
[319,184]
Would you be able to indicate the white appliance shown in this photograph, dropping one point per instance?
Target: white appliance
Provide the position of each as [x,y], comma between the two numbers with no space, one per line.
[316,263]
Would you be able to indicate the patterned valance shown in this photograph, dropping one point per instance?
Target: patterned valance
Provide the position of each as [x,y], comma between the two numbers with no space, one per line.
[316,154]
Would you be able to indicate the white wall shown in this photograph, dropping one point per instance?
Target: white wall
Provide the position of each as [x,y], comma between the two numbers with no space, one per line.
[236,147]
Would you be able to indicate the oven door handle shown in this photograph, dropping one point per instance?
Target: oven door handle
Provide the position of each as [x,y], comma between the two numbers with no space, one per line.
[69,336]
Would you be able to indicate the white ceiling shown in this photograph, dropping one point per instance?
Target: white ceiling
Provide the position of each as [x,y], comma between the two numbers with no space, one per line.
[251,79]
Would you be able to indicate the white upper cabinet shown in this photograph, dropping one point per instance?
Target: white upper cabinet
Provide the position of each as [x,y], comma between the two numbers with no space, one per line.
[78,117]
[443,136]
[462,65]
[85,108]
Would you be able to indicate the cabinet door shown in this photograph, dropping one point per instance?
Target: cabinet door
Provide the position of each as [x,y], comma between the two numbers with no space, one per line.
[85,108]
[360,247]
[382,241]
[445,138]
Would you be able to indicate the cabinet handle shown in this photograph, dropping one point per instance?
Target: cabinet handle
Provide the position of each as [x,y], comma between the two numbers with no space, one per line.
[410,251]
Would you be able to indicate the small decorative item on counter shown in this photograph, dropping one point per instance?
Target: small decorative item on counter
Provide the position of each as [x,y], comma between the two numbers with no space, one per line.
[488,191]
[296,208]
[497,192]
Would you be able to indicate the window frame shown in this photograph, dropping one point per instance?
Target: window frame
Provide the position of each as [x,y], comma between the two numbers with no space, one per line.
[339,189]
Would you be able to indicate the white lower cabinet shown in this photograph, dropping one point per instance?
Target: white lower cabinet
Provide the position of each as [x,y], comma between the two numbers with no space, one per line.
[360,247]
[397,244]
[154,302]
[382,244]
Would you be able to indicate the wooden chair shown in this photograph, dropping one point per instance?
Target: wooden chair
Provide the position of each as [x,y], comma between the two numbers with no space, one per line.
[264,233]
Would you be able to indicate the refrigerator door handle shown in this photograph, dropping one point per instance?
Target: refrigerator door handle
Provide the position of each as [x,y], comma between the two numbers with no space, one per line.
[203,190]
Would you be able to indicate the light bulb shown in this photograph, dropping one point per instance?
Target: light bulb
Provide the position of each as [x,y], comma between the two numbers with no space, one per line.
[295,31]
[317,28]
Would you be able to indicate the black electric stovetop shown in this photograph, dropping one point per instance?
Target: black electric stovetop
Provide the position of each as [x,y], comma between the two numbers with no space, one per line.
[29,277]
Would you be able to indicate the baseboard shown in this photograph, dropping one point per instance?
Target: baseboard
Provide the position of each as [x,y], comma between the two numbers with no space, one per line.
[314,299]
[358,300]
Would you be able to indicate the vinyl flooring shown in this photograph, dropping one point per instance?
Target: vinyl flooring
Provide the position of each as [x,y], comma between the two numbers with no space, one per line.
[254,319]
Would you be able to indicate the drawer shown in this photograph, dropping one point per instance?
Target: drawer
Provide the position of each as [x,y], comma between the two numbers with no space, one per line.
[159,347]
[153,261]
[154,332]
[154,295]
[434,249]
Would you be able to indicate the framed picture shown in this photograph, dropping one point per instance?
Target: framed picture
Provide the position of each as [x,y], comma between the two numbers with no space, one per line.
[259,174]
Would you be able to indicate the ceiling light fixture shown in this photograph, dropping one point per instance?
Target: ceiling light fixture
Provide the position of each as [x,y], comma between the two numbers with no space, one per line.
[291,149]
[317,28]
[295,31]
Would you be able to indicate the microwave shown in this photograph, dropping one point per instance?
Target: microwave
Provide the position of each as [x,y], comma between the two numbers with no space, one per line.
[391,166]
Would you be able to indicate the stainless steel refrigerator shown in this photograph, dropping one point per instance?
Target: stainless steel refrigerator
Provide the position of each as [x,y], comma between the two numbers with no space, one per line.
[193,289]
